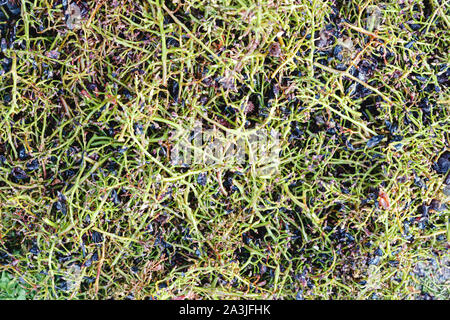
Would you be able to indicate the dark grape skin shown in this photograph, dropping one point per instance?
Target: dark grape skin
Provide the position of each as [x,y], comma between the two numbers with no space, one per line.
[374,141]
[19,174]
[442,165]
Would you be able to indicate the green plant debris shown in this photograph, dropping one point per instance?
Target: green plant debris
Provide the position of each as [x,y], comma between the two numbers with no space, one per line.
[97,203]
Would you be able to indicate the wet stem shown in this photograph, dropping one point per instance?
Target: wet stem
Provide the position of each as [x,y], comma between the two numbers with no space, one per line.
[163,44]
